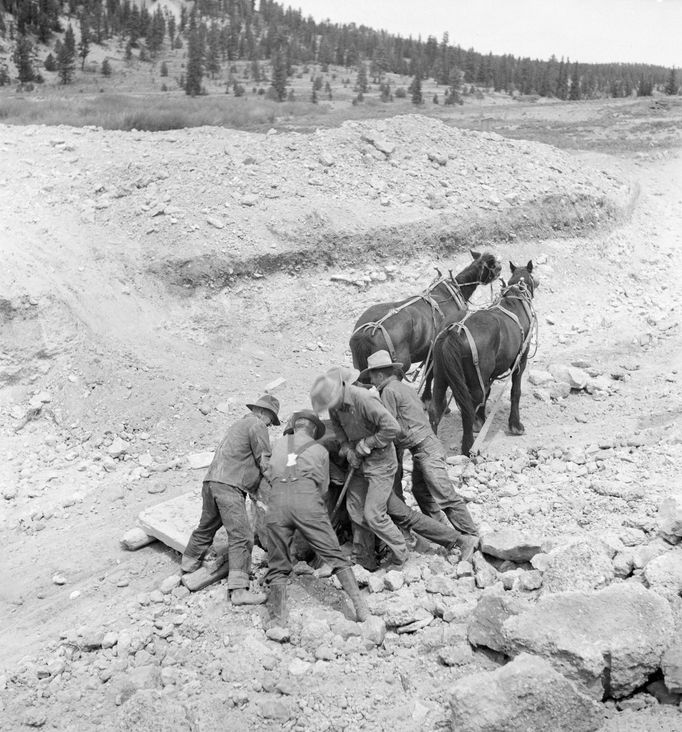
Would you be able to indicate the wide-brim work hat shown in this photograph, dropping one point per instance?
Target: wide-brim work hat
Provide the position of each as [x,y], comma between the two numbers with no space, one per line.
[269,402]
[349,374]
[308,414]
[326,390]
[382,360]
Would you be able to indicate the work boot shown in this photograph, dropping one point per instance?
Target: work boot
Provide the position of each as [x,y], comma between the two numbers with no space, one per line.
[189,564]
[467,545]
[350,585]
[244,596]
[277,605]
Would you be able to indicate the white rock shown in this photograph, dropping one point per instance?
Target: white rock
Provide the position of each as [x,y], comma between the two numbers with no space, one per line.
[118,447]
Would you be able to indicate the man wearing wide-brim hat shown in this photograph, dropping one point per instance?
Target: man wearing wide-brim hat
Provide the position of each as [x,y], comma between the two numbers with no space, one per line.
[431,484]
[298,473]
[236,470]
[367,431]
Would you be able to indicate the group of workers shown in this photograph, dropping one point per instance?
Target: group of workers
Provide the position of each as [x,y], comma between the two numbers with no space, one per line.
[366,435]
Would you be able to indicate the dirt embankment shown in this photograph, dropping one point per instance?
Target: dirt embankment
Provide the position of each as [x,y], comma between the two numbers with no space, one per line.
[207,205]
[102,351]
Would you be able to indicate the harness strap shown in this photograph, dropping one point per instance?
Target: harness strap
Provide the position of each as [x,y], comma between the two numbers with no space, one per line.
[291,473]
[455,294]
[513,316]
[474,357]
[525,339]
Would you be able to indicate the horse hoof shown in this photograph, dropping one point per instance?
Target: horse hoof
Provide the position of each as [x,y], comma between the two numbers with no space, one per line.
[518,430]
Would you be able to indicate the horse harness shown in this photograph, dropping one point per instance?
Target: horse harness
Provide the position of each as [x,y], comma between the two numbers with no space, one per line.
[525,299]
[455,294]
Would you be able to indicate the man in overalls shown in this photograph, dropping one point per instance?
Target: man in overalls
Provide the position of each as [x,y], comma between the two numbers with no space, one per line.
[298,474]
[367,431]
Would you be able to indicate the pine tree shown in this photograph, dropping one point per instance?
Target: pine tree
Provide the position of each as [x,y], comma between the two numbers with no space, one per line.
[213,52]
[313,95]
[50,64]
[195,59]
[645,88]
[562,81]
[163,71]
[361,84]
[106,68]
[84,43]
[574,94]
[279,75]
[454,92]
[416,90]
[171,28]
[23,59]
[671,87]
[66,57]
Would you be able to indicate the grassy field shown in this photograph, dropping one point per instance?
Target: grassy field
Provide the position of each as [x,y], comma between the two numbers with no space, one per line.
[136,96]
[153,112]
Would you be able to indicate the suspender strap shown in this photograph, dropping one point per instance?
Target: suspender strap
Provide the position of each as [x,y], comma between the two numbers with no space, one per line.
[291,473]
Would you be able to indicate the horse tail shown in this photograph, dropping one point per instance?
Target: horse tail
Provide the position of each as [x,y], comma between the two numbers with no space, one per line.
[361,347]
[448,370]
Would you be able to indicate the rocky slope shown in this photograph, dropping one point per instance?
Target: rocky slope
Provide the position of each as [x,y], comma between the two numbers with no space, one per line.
[112,380]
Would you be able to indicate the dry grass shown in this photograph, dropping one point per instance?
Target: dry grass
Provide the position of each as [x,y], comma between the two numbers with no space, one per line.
[168,111]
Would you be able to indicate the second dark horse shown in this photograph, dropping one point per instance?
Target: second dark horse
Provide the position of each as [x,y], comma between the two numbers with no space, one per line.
[407,329]
[485,346]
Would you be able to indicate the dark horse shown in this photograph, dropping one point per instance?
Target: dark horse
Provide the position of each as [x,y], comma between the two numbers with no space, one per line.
[406,329]
[486,345]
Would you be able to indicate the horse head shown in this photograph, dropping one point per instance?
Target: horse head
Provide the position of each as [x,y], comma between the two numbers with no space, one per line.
[489,268]
[522,277]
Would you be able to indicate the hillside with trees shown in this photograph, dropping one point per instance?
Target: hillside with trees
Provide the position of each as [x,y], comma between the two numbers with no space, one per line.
[273,40]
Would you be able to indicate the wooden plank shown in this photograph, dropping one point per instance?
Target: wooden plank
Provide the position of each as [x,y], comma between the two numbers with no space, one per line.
[475,448]
[203,577]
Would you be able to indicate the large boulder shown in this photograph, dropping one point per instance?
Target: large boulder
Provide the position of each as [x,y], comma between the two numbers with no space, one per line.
[609,640]
[670,518]
[150,710]
[492,610]
[576,378]
[672,667]
[526,694]
[583,564]
[664,573]
[511,544]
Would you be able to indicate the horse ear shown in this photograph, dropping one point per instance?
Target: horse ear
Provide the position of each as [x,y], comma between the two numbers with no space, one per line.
[474,254]
[512,266]
[529,266]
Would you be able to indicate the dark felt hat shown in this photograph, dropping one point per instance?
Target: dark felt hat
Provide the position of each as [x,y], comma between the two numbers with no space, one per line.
[269,402]
[308,414]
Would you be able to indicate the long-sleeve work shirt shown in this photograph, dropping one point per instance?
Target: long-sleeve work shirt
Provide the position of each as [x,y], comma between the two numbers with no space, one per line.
[242,455]
[403,402]
[361,414]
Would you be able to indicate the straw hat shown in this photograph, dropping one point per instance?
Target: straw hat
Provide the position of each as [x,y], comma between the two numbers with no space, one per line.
[382,360]
[349,374]
[269,402]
